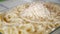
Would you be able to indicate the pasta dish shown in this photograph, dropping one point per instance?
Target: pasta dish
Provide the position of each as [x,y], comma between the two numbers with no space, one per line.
[30,18]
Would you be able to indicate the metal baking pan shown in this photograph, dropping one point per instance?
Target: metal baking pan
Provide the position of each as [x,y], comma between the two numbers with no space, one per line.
[11,3]
[8,4]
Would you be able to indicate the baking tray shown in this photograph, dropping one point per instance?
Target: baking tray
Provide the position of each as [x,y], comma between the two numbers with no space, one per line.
[12,3]
[8,4]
